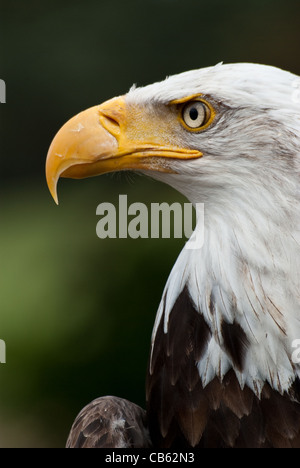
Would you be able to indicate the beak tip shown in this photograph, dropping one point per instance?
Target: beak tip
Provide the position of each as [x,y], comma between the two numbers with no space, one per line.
[52,179]
[54,196]
[53,190]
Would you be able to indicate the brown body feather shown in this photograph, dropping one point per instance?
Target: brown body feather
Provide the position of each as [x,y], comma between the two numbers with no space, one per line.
[110,422]
[184,414]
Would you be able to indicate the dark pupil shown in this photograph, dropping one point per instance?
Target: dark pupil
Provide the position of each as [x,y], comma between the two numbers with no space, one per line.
[194,114]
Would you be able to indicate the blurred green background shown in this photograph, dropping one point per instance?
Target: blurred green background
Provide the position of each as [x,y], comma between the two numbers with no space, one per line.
[77,312]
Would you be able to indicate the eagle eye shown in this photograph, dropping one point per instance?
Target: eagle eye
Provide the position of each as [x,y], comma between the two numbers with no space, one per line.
[195,115]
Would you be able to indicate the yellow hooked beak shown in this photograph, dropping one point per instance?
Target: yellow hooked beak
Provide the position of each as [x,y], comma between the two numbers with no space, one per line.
[113,136]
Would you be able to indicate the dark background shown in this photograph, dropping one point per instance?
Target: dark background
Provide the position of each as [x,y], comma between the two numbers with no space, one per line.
[77,312]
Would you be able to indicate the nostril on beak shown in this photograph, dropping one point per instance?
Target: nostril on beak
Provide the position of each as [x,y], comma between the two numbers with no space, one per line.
[110,124]
[112,115]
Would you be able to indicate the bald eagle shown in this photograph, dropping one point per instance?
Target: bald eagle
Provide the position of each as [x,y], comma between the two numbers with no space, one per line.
[221,370]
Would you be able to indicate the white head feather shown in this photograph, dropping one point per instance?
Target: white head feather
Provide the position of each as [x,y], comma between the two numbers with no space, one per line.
[248,179]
